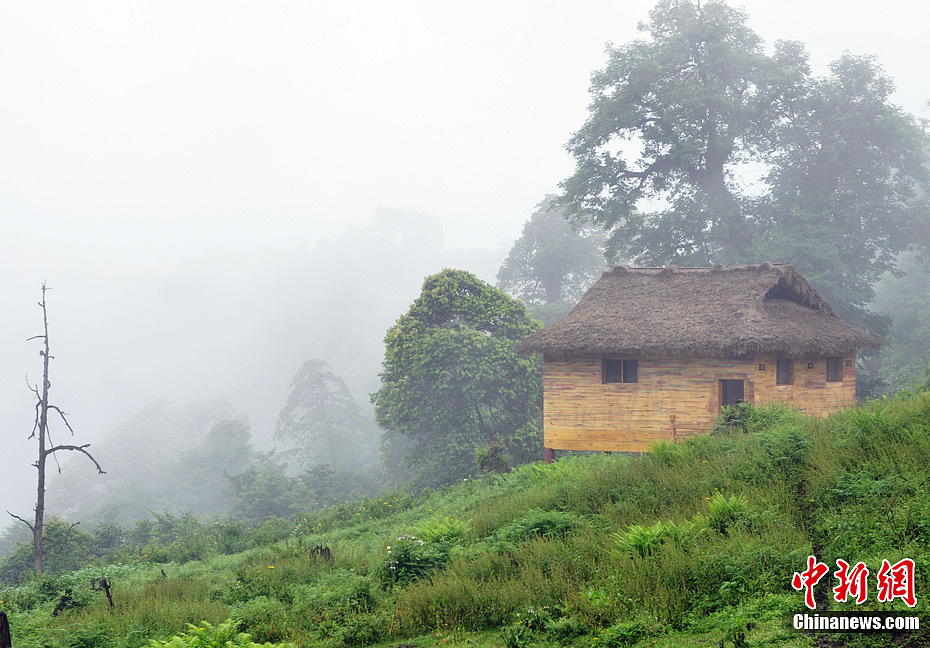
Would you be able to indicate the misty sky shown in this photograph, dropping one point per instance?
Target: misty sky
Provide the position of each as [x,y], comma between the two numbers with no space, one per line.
[137,137]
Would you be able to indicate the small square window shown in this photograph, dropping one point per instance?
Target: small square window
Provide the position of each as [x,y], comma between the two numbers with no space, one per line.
[784,372]
[834,370]
[620,371]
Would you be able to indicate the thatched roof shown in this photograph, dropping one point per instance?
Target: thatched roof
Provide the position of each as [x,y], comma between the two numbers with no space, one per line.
[700,312]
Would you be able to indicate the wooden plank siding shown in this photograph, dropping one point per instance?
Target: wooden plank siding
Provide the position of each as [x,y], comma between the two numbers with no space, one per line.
[674,398]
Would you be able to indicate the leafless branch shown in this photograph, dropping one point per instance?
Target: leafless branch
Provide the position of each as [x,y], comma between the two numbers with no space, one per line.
[81,449]
[67,537]
[16,517]
[51,444]
[35,426]
[63,417]
[33,388]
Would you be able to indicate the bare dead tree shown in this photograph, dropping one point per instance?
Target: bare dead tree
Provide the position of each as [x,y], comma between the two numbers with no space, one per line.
[47,448]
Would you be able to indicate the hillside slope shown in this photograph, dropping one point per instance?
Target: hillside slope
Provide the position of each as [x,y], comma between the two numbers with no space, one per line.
[692,544]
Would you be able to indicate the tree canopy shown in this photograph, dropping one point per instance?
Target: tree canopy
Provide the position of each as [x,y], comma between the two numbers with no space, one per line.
[702,147]
[452,381]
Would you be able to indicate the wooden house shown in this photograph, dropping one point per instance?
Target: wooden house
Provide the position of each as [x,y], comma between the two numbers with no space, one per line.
[654,353]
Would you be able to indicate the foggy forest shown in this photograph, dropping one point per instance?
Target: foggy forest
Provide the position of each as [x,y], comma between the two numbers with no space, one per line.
[286,255]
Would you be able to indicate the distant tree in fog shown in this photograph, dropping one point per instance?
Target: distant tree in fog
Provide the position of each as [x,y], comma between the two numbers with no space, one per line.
[701,147]
[452,382]
[226,449]
[552,263]
[321,419]
[905,357]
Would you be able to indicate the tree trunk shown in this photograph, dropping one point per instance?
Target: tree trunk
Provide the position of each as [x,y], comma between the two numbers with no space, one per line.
[723,208]
[553,291]
[39,525]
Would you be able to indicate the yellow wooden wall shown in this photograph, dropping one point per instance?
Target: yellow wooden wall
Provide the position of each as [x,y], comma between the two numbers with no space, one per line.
[675,398]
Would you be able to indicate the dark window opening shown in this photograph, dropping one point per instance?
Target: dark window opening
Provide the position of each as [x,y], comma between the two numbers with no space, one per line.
[731,392]
[613,370]
[630,371]
[784,372]
[834,370]
[621,371]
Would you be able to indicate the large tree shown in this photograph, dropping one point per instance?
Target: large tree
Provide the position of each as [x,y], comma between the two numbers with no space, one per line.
[701,147]
[552,263]
[843,199]
[452,381]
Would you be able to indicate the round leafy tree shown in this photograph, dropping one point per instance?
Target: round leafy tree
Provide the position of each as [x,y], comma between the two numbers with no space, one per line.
[452,381]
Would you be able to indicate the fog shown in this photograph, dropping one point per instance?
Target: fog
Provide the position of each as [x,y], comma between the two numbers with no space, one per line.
[216,192]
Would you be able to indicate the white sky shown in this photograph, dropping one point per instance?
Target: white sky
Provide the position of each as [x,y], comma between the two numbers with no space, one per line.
[135,136]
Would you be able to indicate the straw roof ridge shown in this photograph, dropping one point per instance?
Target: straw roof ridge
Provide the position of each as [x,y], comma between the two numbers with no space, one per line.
[718,311]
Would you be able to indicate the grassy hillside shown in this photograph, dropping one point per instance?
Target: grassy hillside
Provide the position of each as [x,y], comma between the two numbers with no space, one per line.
[691,545]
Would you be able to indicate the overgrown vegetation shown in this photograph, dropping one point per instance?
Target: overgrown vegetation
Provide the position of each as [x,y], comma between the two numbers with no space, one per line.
[692,544]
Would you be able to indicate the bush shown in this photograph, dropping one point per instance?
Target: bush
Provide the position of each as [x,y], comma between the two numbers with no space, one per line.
[264,617]
[644,541]
[492,458]
[746,417]
[539,522]
[225,635]
[446,530]
[409,558]
[516,636]
[627,633]
[565,628]
[726,512]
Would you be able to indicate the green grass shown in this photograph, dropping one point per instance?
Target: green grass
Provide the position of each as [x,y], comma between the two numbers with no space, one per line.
[689,545]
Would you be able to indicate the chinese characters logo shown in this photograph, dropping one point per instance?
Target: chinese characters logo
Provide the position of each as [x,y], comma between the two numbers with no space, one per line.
[892,581]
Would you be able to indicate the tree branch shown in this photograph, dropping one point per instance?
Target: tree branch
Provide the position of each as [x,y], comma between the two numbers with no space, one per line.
[35,426]
[67,534]
[63,417]
[16,517]
[80,449]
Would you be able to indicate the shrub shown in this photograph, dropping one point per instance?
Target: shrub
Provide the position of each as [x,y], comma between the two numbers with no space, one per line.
[492,458]
[225,635]
[336,594]
[539,522]
[362,630]
[96,637]
[669,452]
[565,628]
[725,512]
[627,633]
[409,558]
[516,636]
[644,541]
[787,451]
[445,530]
[745,417]
[264,617]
